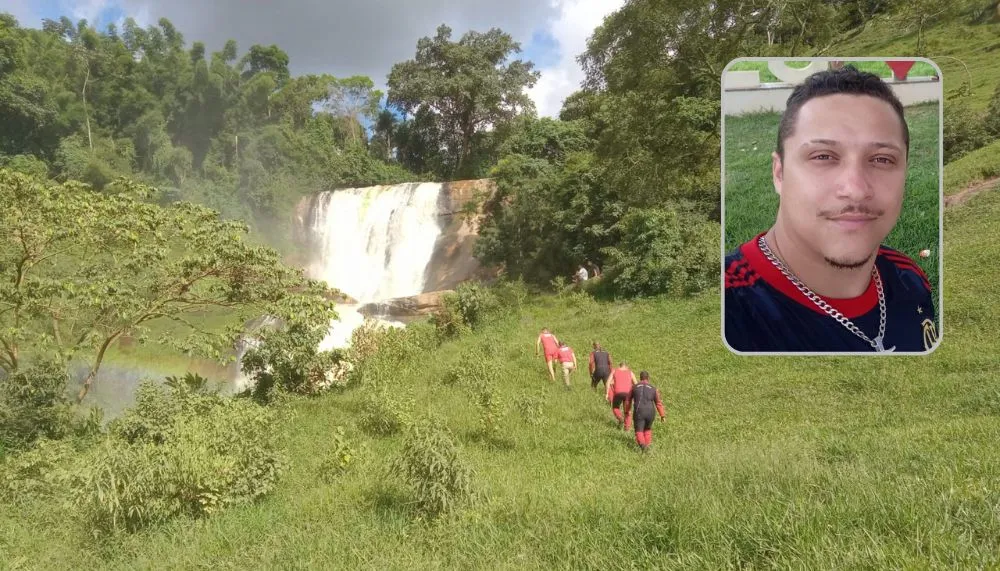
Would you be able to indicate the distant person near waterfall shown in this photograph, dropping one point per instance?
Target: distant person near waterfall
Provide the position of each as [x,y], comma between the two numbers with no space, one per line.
[550,344]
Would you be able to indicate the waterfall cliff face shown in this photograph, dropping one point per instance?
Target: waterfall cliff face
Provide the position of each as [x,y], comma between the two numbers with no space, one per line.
[383,242]
[372,244]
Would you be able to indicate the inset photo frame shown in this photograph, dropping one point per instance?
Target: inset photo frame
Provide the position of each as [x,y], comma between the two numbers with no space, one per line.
[832,206]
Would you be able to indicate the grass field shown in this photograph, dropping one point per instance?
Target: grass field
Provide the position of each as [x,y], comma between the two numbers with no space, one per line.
[919,69]
[977,166]
[751,203]
[815,463]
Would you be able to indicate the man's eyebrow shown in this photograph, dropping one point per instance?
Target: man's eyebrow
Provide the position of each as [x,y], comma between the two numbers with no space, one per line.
[872,145]
[828,142]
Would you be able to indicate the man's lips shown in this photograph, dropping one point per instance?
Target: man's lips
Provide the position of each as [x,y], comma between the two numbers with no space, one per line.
[852,221]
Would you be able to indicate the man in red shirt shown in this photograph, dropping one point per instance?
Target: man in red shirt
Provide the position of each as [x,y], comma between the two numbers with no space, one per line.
[645,401]
[547,341]
[620,383]
[568,359]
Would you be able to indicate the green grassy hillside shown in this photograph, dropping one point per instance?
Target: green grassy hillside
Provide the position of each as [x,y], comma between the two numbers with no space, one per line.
[811,462]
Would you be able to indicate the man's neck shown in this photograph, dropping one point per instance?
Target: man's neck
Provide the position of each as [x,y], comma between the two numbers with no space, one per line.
[815,272]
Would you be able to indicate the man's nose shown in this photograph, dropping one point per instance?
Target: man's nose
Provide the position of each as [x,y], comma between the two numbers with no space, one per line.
[854,181]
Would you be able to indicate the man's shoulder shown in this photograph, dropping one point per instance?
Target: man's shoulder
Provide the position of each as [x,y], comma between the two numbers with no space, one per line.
[739,273]
[905,269]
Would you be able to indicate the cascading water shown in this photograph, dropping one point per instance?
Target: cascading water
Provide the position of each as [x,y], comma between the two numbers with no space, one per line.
[373,244]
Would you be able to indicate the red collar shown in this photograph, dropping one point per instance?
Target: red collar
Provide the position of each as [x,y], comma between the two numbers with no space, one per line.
[851,307]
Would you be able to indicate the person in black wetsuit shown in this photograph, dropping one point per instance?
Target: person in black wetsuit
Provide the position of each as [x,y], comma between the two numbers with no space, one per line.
[600,365]
[645,402]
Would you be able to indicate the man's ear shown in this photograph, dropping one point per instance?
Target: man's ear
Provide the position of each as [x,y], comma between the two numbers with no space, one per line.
[776,172]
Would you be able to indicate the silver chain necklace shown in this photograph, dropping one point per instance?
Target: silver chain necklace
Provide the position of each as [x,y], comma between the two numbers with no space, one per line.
[826,307]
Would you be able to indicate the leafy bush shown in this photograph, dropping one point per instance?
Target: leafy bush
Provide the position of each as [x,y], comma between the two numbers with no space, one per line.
[44,471]
[662,251]
[431,465]
[33,404]
[378,351]
[529,406]
[964,129]
[27,164]
[385,412]
[992,119]
[340,457]
[472,305]
[511,294]
[491,409]
[475,367]
[178,453]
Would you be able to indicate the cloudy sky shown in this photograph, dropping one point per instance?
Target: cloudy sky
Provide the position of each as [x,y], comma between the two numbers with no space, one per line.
[349,37]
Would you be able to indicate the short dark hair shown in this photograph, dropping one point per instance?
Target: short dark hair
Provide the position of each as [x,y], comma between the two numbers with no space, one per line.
[847,80]
[644,376]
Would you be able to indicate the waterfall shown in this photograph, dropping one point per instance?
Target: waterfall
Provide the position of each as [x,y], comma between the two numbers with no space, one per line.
[373,244]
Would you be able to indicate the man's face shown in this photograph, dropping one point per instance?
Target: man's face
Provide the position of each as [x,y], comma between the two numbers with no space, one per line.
[842,178]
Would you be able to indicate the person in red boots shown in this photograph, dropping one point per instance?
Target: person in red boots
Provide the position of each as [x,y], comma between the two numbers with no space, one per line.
[645,401]
[620,383]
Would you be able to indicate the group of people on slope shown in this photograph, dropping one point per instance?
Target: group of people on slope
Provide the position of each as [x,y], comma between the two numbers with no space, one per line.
[631,399]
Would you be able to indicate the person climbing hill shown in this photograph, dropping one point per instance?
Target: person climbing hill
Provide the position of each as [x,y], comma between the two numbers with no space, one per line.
[620,382]
[568,360]
[550,344]
[645,402]
[600,365]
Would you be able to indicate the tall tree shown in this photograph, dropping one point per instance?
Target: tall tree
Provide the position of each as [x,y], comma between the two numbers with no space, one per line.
[81,269]
[469,86]
[356,100]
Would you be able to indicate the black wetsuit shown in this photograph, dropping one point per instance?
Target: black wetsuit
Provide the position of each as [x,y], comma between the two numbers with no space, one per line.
[602,367]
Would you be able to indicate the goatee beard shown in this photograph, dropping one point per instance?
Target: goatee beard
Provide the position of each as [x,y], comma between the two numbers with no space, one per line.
[848,264]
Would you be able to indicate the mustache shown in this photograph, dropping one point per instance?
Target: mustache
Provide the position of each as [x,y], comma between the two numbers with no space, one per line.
[851,209]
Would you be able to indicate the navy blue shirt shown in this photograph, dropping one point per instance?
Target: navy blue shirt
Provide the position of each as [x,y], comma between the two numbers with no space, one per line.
[765,312]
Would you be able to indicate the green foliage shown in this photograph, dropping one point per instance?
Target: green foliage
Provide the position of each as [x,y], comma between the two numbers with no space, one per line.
[99,104]
[26,164]
[33,405]
[529,407]
[964,129]
[191,381]
[476,304]
[991,120]
[385,410]
[42,472]
[287,354]
[178,452]
[662,251]
[473,305]
[452,110]
[513,294]
[340,458]
[432,466]
[87,268]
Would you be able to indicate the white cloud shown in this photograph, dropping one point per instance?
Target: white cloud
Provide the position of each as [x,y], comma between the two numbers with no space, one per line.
[86,9]
[575,23]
